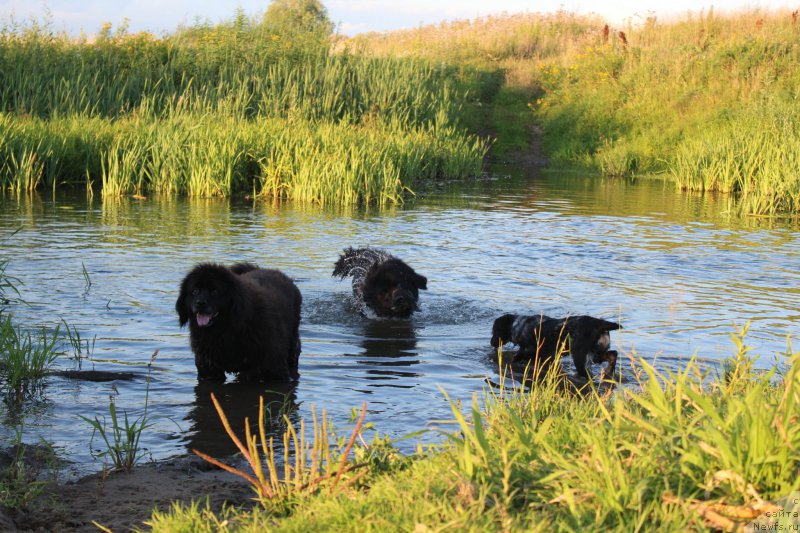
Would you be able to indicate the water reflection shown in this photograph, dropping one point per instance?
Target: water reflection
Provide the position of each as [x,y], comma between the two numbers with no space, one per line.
[389,345]
[239,401]
[389,342]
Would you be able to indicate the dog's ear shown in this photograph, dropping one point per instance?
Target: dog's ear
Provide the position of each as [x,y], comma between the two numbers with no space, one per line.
[421,282]
[181,306]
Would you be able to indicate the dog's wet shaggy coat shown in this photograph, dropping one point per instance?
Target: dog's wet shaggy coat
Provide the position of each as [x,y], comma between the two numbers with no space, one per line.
[381,282]
[542,339]
[243,319]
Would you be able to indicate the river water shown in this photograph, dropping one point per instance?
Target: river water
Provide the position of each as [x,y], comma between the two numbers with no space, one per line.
[680,272]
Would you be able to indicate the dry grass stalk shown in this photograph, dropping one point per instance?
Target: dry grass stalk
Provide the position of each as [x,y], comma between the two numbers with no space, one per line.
[269,483]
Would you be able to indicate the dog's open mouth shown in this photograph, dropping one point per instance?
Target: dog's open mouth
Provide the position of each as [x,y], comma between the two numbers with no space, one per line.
[204,320]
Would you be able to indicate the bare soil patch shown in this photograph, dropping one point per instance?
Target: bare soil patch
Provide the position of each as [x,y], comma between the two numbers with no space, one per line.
[124,501]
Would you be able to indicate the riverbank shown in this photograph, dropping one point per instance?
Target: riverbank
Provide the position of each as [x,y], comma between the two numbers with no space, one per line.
[123,501]
[675,452]
[432,489]
[706,100]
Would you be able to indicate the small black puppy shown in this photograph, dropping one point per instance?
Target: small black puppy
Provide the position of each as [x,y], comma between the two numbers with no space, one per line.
[541,338]
[242,319]
[382,282]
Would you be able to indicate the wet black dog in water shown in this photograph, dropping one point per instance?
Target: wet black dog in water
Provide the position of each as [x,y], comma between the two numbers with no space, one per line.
[381,282]
[542,339]
[242,319]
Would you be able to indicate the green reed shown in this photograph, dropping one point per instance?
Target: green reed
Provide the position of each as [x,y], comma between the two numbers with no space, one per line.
[755,155]
[25,357]
[212,155]
[81,348]
[212,69]
[378,163]
[120,435]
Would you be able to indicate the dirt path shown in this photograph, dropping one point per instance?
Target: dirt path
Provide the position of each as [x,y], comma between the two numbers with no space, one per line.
[534,156]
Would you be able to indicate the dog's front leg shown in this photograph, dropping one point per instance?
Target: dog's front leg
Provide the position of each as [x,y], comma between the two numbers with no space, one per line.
[581,362]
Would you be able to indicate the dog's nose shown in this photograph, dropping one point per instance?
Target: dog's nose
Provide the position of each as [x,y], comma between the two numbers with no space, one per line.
[400,299]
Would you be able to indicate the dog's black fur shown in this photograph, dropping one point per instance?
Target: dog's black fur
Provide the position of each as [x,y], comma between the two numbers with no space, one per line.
[541,338]
[381,282]
[242,319]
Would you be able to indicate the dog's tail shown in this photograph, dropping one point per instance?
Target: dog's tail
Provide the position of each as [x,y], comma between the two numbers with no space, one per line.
[358,259]
[501,330]
[243,268]
[344,265]
[606,325]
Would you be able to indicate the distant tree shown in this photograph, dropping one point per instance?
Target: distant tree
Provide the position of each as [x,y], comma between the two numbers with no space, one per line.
[298,17]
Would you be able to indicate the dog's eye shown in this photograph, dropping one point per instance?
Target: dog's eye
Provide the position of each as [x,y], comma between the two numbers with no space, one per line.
[195,292]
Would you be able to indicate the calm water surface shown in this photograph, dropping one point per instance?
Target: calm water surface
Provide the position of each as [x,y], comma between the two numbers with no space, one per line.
[678,271]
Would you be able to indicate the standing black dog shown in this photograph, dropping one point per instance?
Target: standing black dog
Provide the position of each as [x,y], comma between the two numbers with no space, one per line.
[541,339]
[382,282]
[242,319]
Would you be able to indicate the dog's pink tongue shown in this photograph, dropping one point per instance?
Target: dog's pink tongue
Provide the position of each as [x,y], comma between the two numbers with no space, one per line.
[203,320]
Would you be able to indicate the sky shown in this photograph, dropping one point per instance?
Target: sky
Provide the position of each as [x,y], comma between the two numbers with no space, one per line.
[351,16]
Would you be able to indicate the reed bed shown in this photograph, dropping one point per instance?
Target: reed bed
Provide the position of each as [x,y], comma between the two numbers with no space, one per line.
[241,71]
[211,155]
[757,158]
[214,110]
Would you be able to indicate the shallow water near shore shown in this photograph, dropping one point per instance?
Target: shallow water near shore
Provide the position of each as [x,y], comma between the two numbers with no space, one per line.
[679,272]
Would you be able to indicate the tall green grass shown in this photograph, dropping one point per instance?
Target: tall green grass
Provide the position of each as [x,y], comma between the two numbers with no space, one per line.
[757,156]
[708,100]
[212,110]
[676,451]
